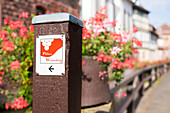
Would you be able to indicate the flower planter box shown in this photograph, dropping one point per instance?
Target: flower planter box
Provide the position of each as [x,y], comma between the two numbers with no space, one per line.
[94,90]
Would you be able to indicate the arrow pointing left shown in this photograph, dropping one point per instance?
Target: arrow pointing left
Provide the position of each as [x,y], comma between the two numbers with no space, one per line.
[50,68]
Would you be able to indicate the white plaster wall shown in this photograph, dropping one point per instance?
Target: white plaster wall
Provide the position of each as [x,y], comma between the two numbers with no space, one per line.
[145,55]
[110,9]
[140,20]
[121,6]
[89,8]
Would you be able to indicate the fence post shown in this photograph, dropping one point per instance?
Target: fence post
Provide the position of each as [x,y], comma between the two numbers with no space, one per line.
[131,107]
[141,91]
[157,73]
[165,68]
[57,63]
[150,80]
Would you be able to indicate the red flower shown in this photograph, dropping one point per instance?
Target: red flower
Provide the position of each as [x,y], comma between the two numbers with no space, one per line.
[102,8]
[124,94]
[8,45]
[19,103]
[100,73]
[3,34]
[135,29]
[16,24]
[134,50]
[106,58]
[108,82]
[14,34]
[114,63]
[137,42]
[6,20]
[0,80]
[99,59]
[103,58]
[100,56]
[114,23]
[23,31]
[115,36]
[24,15]
[86,33]
[32,28]
[7,105]
[120,65]
[129,63]
[83,62]
[15,65]
[2,73]
[117,95]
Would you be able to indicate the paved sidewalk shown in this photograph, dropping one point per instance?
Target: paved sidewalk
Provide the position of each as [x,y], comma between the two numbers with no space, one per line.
[99,109]
[157,98]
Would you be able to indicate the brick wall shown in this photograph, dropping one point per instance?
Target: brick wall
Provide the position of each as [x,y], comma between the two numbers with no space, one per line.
[12,8]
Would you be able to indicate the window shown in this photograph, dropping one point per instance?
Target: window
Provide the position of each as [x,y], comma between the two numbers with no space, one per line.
[114,11]
[166,31]
[40,10]
[140,13]
[124,19]
[80,4]
[97,5]
[143,55]
[160,31]
[129,22]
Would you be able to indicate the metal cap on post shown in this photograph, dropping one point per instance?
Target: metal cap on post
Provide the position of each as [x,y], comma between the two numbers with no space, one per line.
[57,63]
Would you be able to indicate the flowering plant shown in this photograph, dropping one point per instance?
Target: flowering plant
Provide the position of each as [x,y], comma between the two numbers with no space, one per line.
[111,48]
[16,57]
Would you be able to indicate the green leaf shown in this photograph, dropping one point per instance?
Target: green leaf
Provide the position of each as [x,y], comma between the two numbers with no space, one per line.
[32,15]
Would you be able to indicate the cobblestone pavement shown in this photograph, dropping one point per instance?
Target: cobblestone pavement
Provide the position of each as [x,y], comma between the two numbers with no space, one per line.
[157,98]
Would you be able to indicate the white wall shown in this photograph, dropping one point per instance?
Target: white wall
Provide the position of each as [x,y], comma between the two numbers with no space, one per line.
[110,9]
[123,14]
[115,10]
[140,20]
[88,8]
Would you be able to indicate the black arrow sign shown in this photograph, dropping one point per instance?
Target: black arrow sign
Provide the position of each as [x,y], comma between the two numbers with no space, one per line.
[50,68]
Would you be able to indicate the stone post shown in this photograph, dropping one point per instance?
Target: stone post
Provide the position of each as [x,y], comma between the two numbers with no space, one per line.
[57,63]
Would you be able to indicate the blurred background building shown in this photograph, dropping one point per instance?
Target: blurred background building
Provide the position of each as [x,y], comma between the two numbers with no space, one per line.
[153,46]
[12,8]
[164,41]
[140,20]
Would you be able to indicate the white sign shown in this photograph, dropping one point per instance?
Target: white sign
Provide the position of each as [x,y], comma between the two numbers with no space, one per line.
[50,55]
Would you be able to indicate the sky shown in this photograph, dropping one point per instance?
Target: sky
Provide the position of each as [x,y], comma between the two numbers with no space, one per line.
[159,11]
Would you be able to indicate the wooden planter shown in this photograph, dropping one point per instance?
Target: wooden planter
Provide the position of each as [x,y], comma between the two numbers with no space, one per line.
[94,90]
